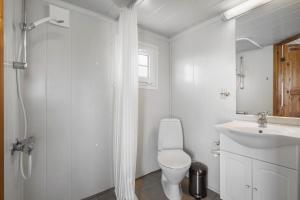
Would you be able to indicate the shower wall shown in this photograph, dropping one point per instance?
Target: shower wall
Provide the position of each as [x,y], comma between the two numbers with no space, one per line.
[13,184]
[68,94]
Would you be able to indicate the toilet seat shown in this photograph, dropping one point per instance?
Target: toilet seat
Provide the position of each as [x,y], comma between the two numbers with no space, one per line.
[174,159]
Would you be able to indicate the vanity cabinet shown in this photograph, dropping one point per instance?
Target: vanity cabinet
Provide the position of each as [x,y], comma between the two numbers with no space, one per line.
[249,179]
[235,177]
[259,164]
[272,182]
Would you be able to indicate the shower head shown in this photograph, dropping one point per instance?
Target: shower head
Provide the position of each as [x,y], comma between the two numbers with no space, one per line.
[126,3]
[42,21]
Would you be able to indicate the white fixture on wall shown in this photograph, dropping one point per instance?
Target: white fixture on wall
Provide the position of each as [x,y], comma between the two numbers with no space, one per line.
[224,93]
[251,41]
[59,16]
[243,8]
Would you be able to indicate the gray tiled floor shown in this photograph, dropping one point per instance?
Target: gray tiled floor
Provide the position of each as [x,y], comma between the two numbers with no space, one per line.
[149,188]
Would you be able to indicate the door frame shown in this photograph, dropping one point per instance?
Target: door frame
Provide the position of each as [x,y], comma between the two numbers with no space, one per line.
[277,74]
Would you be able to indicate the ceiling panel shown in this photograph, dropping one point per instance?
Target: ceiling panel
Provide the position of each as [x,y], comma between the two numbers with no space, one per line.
[167,17]
[105,7]
[270,24]
[170,17]
[266,25]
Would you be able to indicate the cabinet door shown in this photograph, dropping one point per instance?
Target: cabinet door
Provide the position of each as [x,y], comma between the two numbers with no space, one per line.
[235,177]
[272,182]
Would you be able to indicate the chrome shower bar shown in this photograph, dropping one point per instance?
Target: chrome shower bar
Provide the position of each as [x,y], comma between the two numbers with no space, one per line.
[23,63]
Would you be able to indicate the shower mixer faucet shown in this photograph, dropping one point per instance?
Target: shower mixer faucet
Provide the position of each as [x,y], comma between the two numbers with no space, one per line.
[25,145]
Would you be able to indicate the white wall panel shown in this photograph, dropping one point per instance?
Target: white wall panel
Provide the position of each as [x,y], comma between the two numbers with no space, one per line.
[91,105]
[68,95]
[13,184]
[258,81]
[204,63]
[58,128]
[34,92]
[153,106]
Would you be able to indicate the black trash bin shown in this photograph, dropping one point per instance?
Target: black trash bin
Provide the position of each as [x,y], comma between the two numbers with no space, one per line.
[198,180]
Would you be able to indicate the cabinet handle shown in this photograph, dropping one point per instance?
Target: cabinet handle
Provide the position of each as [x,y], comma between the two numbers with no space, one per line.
[247,186]
[255,189]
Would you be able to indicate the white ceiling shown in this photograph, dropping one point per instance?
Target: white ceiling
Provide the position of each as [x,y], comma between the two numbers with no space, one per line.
[104,7]
[266,25]
[170,17]
[166,17]
[269,24]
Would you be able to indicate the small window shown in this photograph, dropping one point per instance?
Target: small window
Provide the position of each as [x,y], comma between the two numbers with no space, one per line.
[147,64]
[144,68]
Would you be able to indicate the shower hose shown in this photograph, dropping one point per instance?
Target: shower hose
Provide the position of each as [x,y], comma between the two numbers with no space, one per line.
[21,158]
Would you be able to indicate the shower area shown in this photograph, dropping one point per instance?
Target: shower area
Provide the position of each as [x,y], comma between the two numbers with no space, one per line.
[58,101]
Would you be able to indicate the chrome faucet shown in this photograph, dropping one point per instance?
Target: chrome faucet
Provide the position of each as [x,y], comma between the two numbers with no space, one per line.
[262,119]
[25,145]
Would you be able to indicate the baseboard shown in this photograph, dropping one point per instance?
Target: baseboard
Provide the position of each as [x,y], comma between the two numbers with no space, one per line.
[105,191]
[148,174]
[214,189]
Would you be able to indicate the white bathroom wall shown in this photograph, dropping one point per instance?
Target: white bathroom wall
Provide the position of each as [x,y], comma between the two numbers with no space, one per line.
[258,81]
[91,105]
[68,95]
[203,64]
[153,105]
[13,184]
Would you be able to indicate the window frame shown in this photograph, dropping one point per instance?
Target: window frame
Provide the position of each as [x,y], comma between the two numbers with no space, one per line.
[150,82]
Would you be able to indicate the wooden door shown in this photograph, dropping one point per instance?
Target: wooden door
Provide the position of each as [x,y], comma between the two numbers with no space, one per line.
[236,177]
[292,81]
[273,182]
[286,100]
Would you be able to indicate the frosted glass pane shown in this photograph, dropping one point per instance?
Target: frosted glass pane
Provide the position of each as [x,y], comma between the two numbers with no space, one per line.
[143,60]
[143,71]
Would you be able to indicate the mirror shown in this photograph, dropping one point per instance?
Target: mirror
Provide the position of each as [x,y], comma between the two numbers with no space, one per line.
[268,60]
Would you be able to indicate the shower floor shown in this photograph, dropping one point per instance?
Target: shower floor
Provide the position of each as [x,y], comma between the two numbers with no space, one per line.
[149,188]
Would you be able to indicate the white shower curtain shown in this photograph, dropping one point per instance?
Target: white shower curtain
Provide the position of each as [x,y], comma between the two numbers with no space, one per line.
[126,105]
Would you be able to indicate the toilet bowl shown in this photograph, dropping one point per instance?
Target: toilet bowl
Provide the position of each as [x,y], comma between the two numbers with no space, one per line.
[173,161]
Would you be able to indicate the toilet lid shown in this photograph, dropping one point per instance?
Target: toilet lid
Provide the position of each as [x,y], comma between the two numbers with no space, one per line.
[174,159]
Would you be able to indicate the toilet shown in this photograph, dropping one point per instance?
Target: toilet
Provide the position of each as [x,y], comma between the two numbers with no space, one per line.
[173,161]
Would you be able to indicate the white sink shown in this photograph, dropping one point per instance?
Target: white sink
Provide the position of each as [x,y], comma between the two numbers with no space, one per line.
[250,135]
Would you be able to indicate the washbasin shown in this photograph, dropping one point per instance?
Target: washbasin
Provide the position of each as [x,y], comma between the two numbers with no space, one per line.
[251,135]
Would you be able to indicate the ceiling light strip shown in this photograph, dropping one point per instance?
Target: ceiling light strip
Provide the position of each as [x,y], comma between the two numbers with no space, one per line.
[243,8]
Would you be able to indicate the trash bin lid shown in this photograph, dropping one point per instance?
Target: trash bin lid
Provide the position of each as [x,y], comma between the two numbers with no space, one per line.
[198,169]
